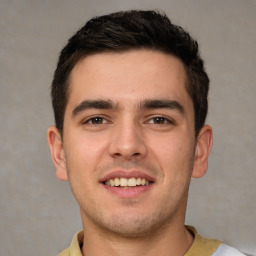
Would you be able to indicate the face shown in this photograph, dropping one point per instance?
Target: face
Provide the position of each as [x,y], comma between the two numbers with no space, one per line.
[128,147]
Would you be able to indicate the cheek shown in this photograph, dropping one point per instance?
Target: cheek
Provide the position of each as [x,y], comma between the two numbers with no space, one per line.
[83,153]
[172,147]
[174,154]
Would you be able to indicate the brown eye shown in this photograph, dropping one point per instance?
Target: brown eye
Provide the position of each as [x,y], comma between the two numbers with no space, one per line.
[159,120]
[96,120]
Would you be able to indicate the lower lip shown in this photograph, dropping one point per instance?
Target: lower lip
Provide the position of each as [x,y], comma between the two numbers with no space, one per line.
[129,192]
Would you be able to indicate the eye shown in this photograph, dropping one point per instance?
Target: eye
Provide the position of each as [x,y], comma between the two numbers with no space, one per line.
[96,120]
[159,120]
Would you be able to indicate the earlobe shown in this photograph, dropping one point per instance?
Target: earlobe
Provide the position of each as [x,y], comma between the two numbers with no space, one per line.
[203,148]
[57,152]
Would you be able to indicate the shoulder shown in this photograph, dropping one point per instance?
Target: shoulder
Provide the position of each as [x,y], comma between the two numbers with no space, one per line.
[75,246]
[209,247]
[64,253]
[201,245]
[225,250]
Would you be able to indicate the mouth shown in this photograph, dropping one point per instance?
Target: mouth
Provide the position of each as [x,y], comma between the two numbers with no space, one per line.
[127,182]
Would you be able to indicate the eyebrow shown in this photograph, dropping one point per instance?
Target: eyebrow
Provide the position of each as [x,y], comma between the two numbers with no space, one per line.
[162,103]
[90,104]
[144,105]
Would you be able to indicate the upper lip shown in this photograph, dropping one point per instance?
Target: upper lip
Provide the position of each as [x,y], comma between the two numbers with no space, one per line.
[126,174]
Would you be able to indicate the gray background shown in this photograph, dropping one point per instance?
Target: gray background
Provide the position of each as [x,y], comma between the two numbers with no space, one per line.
[38,213]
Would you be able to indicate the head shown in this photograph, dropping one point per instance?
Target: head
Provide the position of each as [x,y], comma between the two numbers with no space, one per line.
[125,31]
[129,95]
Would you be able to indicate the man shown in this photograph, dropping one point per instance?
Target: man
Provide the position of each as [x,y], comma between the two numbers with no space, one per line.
[130,101]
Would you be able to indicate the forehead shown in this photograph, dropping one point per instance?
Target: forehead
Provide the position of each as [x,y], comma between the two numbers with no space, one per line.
[128,76]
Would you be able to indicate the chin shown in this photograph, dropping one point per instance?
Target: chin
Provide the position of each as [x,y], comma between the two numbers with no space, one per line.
[135,225]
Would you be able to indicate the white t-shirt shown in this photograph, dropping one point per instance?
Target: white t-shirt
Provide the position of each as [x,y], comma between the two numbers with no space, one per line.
[225,250]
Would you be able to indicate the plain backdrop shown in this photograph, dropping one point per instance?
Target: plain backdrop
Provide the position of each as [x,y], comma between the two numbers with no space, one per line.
[38,213]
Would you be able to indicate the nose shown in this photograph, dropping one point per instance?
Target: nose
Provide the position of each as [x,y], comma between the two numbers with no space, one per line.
[127,141]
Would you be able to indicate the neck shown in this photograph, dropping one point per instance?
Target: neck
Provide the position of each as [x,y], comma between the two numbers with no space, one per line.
[170,239]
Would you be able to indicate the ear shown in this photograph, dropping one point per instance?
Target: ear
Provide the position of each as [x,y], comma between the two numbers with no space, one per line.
[57,152]
[203,148]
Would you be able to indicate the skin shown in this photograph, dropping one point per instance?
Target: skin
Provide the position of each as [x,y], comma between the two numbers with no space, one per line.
[130,136]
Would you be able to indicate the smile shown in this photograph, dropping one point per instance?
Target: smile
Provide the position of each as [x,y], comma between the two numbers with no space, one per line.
[124,182]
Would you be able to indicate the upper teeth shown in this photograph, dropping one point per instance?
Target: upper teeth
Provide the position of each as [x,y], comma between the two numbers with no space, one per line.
[131,182]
